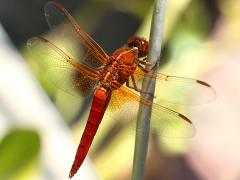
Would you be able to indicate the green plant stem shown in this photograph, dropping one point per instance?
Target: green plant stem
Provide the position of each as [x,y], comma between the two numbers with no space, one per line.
[144,114]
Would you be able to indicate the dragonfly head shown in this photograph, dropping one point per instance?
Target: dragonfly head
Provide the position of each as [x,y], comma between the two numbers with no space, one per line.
[140,43]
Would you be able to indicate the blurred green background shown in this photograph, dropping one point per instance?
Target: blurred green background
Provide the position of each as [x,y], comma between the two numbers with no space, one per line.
[201,40]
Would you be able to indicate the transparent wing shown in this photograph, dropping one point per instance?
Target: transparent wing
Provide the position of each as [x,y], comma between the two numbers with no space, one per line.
[62,70]
[179,90]
[164,121]
[68,36]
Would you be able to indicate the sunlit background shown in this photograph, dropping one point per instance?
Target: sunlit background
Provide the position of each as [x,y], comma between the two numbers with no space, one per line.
[40,125]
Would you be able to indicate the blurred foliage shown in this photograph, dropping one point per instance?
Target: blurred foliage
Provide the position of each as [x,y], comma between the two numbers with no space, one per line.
[136,7]
[174,11]
[18,149]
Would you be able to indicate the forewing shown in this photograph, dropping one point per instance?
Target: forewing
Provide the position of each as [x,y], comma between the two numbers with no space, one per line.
[67,35]
[179,90]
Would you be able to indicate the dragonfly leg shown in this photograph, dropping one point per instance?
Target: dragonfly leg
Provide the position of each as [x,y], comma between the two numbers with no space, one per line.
[147,63]
[127,83]
[135,86]
[131,87]
[143,68]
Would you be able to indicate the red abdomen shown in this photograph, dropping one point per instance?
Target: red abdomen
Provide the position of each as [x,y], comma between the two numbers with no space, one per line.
[99,105]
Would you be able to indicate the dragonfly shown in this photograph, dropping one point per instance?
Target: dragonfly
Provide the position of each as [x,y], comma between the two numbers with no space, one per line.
[79,66]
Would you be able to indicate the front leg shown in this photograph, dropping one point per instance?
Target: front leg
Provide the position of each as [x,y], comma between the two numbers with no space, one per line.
[131,87]
[151,65]
[145,62]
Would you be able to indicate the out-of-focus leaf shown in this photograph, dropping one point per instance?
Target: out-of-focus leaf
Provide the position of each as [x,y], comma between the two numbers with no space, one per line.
[174,11]
[17,149]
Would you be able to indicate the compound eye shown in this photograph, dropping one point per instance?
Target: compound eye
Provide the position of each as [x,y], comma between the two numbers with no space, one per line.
[133,42]
[140,43]
[144,48]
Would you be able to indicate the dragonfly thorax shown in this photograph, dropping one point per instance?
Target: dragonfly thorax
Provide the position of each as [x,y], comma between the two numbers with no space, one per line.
[123,63]
[128,56]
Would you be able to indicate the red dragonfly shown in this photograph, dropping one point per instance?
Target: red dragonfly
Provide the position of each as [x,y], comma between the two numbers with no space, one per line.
[112,79]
